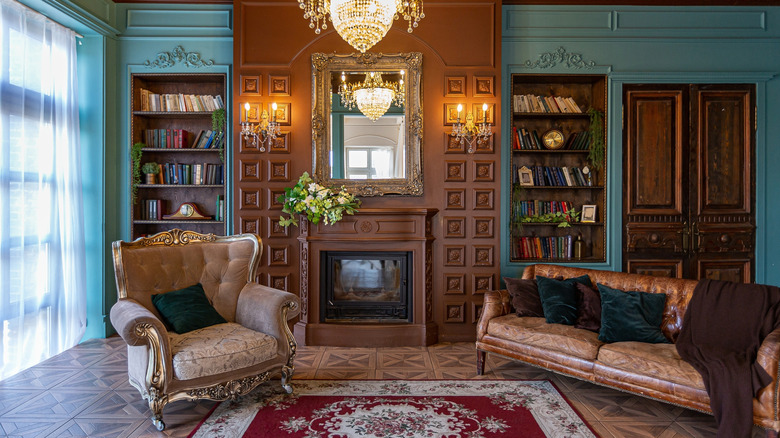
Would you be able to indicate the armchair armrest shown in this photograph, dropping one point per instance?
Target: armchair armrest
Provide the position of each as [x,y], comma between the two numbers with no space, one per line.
[260,308]
[496,303]
[128,315]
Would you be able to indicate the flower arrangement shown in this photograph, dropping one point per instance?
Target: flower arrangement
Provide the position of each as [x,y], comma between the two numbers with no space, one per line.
[316,202]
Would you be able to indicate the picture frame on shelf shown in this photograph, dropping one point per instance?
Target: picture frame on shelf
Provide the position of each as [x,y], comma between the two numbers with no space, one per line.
[588,214]
[525,176]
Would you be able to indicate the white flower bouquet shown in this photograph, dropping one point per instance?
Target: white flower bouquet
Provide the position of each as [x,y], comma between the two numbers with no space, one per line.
[316,202]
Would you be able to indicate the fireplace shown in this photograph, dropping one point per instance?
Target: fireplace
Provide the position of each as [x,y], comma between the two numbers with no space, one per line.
[365,286]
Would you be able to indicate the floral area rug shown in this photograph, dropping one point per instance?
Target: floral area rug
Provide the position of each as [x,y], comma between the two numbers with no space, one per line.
[398,409]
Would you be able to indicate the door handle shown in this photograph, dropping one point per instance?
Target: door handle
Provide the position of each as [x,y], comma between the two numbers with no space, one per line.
[685,236]
[695,237]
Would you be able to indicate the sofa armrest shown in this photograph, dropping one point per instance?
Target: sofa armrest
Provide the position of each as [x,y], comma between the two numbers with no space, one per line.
[135,322]
[769,359]
[267,310]
[496,303]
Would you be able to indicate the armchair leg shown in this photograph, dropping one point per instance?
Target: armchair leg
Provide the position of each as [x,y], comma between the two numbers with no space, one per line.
[156,405]
[287,373]
[481,355]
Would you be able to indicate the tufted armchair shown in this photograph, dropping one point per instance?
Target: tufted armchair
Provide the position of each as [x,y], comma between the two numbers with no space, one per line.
[219,362]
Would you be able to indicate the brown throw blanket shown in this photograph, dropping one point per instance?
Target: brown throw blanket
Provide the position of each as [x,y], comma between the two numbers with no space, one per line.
[722,329]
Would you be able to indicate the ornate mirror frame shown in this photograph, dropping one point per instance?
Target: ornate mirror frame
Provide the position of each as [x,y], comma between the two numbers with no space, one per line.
[323,66]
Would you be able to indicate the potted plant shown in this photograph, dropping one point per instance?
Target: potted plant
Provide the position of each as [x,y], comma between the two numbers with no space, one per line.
[151,169]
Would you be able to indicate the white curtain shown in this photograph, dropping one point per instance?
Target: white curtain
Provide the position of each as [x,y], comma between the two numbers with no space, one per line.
[42,271]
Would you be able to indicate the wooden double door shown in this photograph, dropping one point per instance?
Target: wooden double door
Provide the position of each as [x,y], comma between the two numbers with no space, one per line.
[689,181]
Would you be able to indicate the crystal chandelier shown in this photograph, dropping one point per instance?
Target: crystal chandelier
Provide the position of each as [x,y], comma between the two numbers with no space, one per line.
[373,96]
[361,23]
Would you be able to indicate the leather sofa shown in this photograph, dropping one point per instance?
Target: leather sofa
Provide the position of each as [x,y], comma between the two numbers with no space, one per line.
[651,370]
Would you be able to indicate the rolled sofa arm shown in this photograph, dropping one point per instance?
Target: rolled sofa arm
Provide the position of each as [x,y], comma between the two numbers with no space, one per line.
[769,358]
[260,308]
[128,315]
[496,303]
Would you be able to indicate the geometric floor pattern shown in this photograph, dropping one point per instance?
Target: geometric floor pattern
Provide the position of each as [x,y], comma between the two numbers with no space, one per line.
[84,392]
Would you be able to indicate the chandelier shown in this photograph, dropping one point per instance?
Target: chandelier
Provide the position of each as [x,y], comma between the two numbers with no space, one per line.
[373,96]
[470,132]
[262,132]
[361,23]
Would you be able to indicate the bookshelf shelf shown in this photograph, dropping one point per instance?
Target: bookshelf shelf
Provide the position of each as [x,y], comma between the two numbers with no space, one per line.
[185,163]
[558,175]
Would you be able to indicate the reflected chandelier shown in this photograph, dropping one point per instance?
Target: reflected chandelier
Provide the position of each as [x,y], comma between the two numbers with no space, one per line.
[373,96]
[361,23]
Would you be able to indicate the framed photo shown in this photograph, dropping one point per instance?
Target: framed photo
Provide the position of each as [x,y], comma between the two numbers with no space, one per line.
[454,86]
[588,213]
[278,85]
[451,113]
[483,86]
[250,85]
[282,113]
[476,109]
[526,177]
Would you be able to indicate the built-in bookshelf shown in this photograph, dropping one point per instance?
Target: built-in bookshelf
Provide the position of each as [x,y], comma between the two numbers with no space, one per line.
[552,171]
[171,115]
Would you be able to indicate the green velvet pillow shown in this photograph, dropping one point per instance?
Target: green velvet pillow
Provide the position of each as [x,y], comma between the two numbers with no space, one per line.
[631,316]
[187,309]
[559,298]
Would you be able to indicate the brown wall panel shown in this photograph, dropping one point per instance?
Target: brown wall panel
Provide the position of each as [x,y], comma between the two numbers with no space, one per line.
[456,39]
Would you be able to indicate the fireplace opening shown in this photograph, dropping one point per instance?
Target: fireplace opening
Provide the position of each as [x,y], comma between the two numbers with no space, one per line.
[366,286]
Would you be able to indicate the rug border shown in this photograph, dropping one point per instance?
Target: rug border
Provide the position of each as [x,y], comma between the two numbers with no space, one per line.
[557,388]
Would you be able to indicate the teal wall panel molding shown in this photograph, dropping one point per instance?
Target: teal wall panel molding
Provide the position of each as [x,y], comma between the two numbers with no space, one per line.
[559,56]
[83,16]
[178,55]
[174,20]
[661,44]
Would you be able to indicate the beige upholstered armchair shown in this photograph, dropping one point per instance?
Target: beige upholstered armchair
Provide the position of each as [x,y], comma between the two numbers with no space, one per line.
[218,362]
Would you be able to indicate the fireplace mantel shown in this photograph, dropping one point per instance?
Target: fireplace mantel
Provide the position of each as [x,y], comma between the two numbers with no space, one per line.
[371,229]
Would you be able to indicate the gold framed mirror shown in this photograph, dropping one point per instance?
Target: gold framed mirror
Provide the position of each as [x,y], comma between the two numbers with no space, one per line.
[369,158]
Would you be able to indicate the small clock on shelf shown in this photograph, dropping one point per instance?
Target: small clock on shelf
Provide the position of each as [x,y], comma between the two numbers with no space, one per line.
[553,139]
[187,211]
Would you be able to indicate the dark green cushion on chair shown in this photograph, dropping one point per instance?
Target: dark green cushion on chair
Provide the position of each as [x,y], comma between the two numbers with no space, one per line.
[631,316]
[187,309]
[559,298]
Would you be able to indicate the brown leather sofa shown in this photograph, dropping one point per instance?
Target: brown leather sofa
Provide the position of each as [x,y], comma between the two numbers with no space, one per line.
[651,370]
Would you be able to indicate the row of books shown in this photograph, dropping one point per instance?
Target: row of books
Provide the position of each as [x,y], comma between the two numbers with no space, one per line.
[208,139]
[551,247]
[179,102]
[220,212]
[165,138]
[536,207]
[152,209]
[529,140]
[192,174]
[554,176]
[531,103]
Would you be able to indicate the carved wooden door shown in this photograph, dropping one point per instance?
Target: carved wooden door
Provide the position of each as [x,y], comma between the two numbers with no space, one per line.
[689,181]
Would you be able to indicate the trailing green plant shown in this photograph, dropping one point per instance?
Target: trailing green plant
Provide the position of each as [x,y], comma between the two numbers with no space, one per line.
[150,168]
[135,166]
[564,220]
[597,146]
[218,118]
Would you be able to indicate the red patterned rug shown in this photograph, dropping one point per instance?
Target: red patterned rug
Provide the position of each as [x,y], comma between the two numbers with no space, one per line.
[398,409]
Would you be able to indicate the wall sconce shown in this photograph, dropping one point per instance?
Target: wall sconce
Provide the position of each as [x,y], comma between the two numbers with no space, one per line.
[471,132]
[262,132]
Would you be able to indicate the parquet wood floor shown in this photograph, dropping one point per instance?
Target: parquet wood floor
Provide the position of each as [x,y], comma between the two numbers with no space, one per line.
[84,392]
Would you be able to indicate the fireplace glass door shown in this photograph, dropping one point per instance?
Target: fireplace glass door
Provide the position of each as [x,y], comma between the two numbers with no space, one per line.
[365,286]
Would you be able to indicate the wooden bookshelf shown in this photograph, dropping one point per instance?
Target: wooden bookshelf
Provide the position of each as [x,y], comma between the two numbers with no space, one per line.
[533,242]
[153,127]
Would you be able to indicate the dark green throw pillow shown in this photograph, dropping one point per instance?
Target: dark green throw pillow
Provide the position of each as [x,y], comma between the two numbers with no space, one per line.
[631,316]
[187,309]
[559,298]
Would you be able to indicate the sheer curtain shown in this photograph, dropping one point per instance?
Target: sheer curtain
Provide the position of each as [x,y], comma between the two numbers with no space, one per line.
[42,271]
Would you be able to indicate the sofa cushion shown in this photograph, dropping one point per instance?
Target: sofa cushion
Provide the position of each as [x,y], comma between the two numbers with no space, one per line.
[525,297]
[186,309]
[631,316]
[537,332]
[659,361]
[218,349]
[588,308]
[559,298]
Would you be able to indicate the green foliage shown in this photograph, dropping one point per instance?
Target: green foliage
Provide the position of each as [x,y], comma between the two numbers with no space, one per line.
[316,202]
[597,145]
[218,117]
[150,168]
[135,166]
[564,220]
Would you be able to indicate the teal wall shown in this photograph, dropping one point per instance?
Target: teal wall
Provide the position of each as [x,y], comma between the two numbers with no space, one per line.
[655,45]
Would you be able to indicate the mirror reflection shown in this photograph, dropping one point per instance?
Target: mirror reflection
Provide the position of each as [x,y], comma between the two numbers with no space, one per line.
[371,136]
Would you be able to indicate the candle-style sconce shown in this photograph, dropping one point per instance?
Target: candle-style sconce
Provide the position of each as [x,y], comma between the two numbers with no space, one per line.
[471,132]
[260,133]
